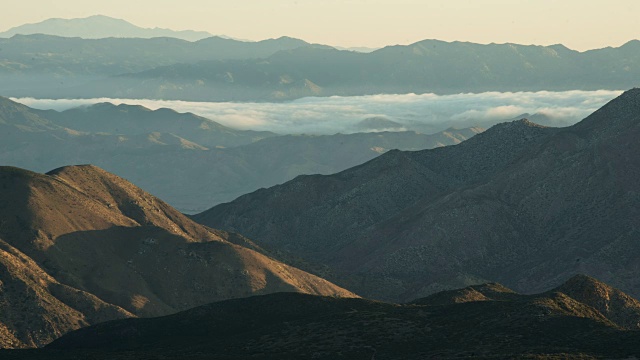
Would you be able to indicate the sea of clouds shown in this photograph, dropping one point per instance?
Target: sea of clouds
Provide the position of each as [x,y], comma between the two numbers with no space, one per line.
[328,115]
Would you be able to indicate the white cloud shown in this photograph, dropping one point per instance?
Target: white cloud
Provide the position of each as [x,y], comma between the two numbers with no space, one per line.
[328,115]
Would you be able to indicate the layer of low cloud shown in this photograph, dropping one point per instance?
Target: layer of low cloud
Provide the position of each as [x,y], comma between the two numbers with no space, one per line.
[329,115]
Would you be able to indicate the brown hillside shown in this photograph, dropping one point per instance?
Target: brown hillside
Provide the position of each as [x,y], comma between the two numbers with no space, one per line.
[35,309]
[96,232]
[617,306]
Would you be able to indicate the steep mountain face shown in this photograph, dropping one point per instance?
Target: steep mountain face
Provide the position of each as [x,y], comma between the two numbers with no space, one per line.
[81,246]
[100,26]
[294,326]
[519,204]
[191,162]
[37,309]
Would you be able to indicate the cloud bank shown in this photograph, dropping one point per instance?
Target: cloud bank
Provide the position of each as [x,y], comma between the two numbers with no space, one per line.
[329,115]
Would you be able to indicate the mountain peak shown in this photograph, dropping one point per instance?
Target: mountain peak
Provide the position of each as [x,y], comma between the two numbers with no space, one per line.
[526,122]
[512,131]
[616,116]
[619,307]
[98,27]
[12,171]
[482,292]
[77,169]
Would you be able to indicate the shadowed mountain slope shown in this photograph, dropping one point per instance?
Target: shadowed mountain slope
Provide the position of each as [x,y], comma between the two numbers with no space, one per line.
[520,204]
[553,325]
[81,245]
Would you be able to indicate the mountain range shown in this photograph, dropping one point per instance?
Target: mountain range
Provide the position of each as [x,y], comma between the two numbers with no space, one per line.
[190,161]
[98,27]
[521,204]
[216,69]
[520,241]
[79,245]
[428,66]
[42,65]
[482,322]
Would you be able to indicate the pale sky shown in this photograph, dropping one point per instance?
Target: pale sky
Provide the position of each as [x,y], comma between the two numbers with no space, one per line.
[578,24]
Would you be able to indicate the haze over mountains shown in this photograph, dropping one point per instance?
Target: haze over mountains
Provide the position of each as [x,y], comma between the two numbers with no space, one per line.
[520,204]
[188,160]
[217,69]
[425,113]
[81,246]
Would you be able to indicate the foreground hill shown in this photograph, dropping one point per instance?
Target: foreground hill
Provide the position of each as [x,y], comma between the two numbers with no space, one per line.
[520,204]
[504,324]
[79,246]
[191,162]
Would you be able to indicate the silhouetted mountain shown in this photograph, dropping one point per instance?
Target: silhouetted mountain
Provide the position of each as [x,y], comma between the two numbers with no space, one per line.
[519,204]
[79,246]
[295,326]
[100,26]
[177,156]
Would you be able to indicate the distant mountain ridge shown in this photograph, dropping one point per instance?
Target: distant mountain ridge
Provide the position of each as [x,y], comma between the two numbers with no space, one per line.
[34,65]
[216,69]
[519,204]
[98,27]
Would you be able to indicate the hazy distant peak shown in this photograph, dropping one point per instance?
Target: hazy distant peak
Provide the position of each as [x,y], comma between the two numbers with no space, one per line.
[286,38]
[100,26]
[631,44]
[378,123]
